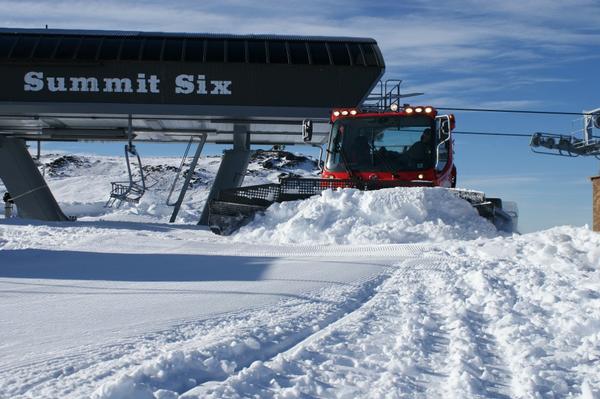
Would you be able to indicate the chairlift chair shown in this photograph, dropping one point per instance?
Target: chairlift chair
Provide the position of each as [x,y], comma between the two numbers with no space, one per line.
[133,189]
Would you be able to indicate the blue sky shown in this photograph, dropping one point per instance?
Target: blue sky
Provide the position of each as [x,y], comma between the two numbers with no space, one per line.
[533,54]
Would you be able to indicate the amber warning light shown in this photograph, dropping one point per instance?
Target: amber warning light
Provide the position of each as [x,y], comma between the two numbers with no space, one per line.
[344,112]
[418,110]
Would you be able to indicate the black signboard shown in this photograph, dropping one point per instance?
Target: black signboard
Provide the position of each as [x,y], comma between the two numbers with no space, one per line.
[137,82]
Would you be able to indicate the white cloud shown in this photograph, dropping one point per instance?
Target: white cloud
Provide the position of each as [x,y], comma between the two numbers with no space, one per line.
[486,46]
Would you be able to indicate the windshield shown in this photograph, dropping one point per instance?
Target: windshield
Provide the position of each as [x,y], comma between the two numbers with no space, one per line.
[403,143]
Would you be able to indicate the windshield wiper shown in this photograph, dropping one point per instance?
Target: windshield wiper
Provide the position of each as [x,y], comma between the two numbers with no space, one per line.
[357,180]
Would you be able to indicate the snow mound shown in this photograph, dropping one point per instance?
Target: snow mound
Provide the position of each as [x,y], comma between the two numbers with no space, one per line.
[350,216]
[283,160]
[65,164]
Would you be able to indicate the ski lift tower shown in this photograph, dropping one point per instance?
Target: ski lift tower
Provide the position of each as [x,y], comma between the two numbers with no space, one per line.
[574,145]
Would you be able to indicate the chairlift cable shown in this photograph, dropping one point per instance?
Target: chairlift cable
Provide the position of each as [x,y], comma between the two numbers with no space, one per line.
[515,111]
[492,134]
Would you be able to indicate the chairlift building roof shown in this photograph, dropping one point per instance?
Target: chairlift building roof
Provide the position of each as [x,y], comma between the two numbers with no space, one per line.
[84,84]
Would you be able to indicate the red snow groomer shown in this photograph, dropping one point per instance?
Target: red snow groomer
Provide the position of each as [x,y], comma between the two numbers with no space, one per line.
[408,146]
[370,147]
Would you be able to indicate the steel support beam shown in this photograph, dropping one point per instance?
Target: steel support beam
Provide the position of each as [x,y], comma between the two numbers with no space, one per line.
[186,183]
[232,170]
[25,183]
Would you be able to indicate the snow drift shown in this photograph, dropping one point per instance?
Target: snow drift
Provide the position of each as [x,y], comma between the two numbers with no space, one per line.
[350,216]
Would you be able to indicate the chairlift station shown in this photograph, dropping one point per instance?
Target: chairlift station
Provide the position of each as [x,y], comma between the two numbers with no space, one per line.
[83,85]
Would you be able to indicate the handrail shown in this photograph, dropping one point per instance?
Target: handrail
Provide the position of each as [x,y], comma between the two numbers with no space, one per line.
[172,189]
[384,94]
[188,178]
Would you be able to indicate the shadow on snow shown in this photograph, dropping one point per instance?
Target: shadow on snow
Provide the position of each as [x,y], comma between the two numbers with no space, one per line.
[72,265]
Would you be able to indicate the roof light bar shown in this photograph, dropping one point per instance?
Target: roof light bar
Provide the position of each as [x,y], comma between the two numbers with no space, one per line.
[344,112]
[419,110]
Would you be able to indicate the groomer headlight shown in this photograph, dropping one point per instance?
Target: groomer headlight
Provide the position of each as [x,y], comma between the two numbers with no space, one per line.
[428,110]
[394,107]
[353,112]
[418,109]
[336,113]
[344,112]
[409,110]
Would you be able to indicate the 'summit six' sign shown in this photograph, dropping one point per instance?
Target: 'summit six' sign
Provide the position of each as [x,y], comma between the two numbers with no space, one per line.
[184,84]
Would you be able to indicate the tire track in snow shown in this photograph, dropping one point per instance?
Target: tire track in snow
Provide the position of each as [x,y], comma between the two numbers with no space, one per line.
[381,348]
[471,364]
[408,340]
[176,370]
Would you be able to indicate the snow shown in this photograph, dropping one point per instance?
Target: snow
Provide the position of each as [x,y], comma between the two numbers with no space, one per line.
[349,294]
[350,216]
[451,323]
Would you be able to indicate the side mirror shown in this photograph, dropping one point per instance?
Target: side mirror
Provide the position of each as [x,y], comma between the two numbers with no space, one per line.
[445,124]
[444,128]
[307,130]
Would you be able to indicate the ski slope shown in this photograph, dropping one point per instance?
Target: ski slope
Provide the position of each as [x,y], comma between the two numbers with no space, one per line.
[122,305]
